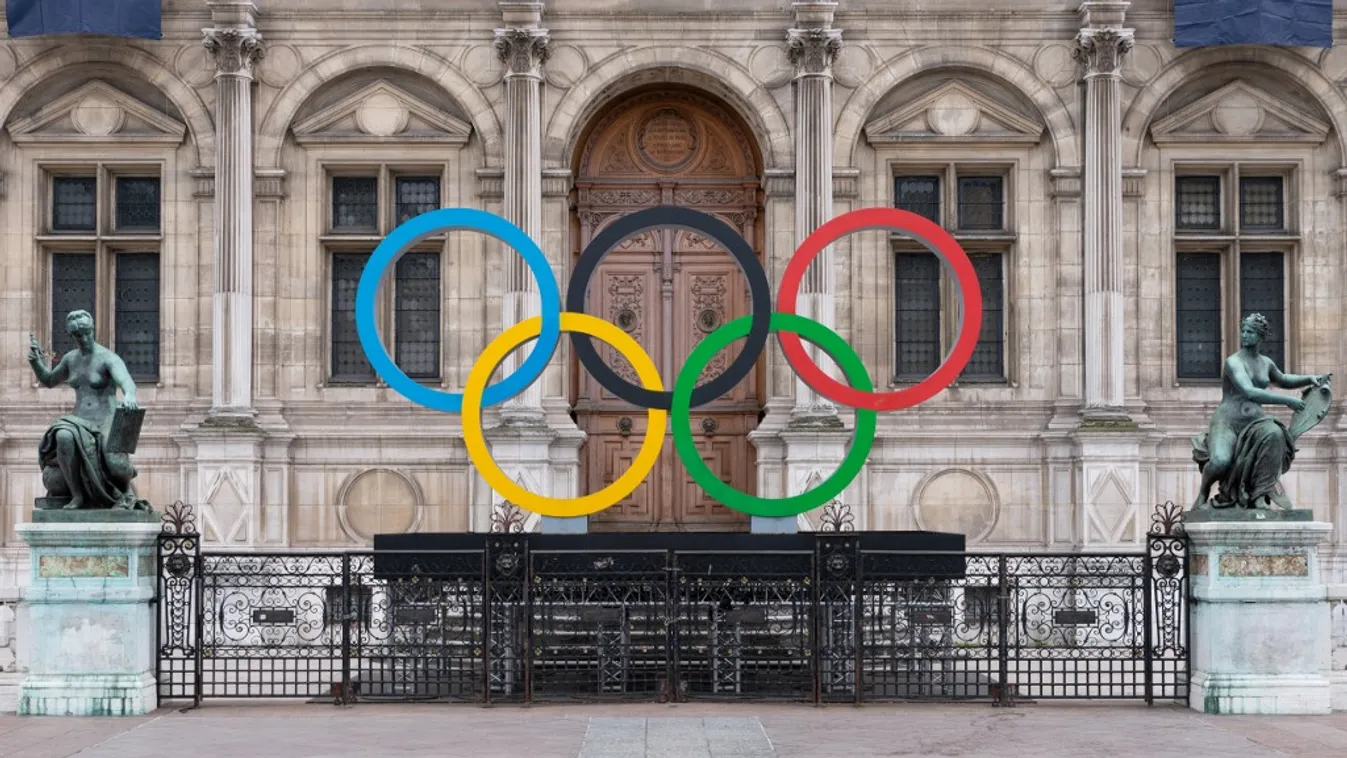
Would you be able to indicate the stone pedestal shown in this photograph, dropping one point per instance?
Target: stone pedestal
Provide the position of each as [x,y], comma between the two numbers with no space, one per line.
[89,612]
[1261,639]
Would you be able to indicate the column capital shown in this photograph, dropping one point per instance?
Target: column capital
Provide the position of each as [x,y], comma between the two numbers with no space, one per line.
[523,50]
[1102,50]
[812,50]
[235,49]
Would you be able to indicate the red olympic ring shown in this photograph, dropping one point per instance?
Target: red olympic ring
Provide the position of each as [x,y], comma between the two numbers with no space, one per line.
[939,242]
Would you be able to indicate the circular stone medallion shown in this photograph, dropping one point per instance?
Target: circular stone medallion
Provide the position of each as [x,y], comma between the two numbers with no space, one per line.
[666,139]
[97,116]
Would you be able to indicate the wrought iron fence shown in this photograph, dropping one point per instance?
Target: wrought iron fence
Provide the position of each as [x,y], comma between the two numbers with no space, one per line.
[825,617]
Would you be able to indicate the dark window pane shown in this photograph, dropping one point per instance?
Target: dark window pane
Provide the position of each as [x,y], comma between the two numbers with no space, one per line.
[1261,206]
[74,277]
[988,361]
[1262,289]
[417,348]
[918,194]
[1199,316]
[917,312]
[1198,203]
[981,203]
[136,310]
[348,358]
[137,204]
[355,204]
[74,204]
[417,195]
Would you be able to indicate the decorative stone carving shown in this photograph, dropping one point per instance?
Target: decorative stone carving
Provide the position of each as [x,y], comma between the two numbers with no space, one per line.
[1240,112]
[523,51]
[812,51]
[379,501]
[378,111]
[1102,51]
[566,64]
[95,111]
[771,66]
[283,64]
[236,50]
[957,501]
[667,139]
[954,111]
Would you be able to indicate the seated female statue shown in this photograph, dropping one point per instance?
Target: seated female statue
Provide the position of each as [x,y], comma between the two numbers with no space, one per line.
[1245,450]
[76,463]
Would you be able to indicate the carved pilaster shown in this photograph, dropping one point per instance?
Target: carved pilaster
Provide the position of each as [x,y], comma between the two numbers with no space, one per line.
[1102,51]
[523,51]
[236,47]
[235,50]
[812,51]
[1101,47]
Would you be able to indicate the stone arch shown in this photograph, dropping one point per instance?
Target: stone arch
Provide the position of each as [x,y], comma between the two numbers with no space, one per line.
[700,68]
[1187,66]
[271,136]
[1006,70]
[133,62]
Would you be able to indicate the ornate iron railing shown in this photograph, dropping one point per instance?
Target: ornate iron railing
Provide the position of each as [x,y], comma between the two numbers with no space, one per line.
[822,617]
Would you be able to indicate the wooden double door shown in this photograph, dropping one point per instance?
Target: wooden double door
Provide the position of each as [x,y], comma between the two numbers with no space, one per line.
[667,288]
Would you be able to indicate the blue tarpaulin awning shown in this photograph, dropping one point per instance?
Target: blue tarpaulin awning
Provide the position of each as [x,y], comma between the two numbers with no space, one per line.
[1283,23]
[117,18]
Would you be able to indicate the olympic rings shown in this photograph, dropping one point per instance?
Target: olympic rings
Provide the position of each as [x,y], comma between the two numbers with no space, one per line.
[939,242]
[401,240]
[480,454]
[755,329]
[666,216]
[719,490]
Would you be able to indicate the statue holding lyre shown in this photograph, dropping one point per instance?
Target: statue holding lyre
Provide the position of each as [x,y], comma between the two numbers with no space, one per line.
[85,456]
[1245,450]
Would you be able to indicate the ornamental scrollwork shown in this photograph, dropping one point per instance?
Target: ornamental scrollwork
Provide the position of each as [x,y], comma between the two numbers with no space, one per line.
[523,51]
[1102,51]
[812,51]
[235,51]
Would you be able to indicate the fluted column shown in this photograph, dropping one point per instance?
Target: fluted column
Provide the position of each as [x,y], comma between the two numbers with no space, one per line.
[523,49]
[812,44]
[1101,47]
[236,46]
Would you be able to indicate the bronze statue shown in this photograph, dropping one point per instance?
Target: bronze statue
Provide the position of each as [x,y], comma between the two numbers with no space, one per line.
[1245,450]
[80,468]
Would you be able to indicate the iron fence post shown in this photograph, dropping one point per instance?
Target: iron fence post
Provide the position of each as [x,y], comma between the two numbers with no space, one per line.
[199,598]
[858,629]
[526,597]
[1003,631]
[1148,575]
[487,592]
[816,622]
[673,667]
[345,695]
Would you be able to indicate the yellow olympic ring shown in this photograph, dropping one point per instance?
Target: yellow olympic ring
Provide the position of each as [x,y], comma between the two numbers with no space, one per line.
[480,455]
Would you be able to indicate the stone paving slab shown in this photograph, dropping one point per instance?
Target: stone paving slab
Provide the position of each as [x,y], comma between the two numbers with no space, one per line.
[696,730]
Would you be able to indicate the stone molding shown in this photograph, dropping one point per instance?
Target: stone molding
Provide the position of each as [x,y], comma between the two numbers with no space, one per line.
[269,183]
[780,183]
[846,183]
[1134,182]
[490,183]
[1066,182]
[236,50]
[556,182]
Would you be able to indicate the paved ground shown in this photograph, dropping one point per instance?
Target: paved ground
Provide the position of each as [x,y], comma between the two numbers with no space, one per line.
[676,731]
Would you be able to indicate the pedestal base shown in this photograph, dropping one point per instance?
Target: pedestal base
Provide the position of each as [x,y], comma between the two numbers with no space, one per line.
[90,619]
[88,695]
[1261,636]
[1254,695]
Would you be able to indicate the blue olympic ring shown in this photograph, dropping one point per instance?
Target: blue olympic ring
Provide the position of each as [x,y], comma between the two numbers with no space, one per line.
[400,241]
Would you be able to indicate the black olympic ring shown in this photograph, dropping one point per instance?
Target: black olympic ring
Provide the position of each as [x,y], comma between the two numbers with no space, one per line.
[663,217]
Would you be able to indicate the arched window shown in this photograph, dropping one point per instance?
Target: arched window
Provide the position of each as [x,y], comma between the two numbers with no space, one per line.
[1237,164]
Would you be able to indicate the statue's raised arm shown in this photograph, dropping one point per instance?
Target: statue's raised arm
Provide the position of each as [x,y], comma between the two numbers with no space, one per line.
[1245,450]
[78,468]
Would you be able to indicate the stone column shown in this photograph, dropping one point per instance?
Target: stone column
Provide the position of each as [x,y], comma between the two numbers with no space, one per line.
[1101,47]
[812,44]
[236,46]
[522,46]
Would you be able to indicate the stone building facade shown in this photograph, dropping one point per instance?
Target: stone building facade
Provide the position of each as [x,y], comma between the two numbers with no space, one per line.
[1124,201]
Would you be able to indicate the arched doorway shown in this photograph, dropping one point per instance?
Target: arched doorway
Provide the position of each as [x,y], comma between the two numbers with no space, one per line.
[668,289]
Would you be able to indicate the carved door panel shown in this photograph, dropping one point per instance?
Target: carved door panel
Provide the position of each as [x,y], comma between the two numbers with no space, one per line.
[668,289]
[625,292]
